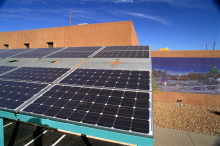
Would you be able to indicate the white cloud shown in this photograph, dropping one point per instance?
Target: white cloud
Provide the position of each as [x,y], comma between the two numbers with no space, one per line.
[15,10]
[180,3]
[28,10]
[154,18]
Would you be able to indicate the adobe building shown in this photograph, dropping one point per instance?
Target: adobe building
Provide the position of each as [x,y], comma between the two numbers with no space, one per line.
[100,34]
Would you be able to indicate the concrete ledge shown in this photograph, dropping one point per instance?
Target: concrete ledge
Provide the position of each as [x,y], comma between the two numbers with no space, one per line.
[171,137]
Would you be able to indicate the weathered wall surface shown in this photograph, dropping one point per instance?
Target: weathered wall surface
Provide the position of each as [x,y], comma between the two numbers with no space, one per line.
[176,89]
[27,36]
[4,39]
[101,34]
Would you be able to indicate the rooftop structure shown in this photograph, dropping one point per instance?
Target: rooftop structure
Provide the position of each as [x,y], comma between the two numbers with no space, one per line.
[100,34]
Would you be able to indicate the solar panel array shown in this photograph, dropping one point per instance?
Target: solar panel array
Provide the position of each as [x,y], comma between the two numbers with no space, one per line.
[79,52]
[108,98]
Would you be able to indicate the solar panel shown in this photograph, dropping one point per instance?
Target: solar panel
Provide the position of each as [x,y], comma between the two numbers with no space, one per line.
[92,49]
[11,52]
[4,69]
[69,54]
[123,110]
[37,53]
[126,48]
[126,79]
[122,54]
[74,52]
[35,74]
[13,94]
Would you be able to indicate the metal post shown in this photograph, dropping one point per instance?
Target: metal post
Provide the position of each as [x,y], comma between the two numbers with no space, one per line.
[214,45]
[206,46]
[1,132]
[70,18]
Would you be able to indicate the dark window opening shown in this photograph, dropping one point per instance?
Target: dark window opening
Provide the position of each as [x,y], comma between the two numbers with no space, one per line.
[50,44]
[26,45]
[6,46]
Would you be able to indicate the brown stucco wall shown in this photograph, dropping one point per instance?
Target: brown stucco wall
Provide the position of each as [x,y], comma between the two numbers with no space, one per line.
[184,53]
[188,98]
[100,34]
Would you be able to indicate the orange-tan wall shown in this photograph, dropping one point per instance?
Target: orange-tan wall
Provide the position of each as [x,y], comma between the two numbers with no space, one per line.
[184,53]
[100,34]
[188,98]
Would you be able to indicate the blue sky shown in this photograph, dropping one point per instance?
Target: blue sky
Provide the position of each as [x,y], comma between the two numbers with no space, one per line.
[176,24]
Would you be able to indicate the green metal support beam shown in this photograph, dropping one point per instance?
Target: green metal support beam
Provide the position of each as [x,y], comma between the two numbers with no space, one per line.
[110,135]
[8,115]
[1,132]
[89,131]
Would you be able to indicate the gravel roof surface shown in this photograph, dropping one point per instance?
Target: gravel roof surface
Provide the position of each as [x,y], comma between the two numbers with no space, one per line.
[192,118]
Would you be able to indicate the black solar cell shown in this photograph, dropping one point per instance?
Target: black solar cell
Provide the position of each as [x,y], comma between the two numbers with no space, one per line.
[140,126]
[64,113]
[123,123]
[106,120]
[91,118]
[77,116]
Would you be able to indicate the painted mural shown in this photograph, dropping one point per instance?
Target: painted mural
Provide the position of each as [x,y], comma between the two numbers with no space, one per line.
[191,75]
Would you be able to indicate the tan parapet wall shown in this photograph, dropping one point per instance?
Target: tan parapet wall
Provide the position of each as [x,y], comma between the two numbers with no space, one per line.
[188,98]
[134,38]
[100,34]
[185,53]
